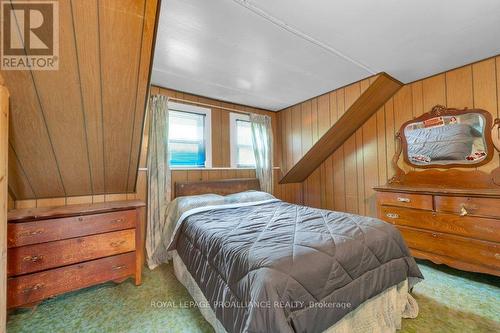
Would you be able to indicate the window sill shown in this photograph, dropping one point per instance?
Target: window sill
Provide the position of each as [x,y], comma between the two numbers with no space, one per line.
[212,168]
[216,168]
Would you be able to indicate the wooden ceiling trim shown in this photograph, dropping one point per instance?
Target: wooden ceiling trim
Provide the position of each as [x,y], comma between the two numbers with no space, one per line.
[18,180]
[135,113]
[60,97]
[86,31]
[119,22]
[151,12]
[368,102]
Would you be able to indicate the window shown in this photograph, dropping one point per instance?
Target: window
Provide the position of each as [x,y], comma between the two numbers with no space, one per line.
[241,142]
[189,143]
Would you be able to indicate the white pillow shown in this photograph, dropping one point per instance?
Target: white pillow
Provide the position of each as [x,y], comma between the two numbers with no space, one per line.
[194,201]
[247,196]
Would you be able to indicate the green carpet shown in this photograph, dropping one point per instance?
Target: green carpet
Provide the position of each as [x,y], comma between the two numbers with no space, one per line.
[449,300]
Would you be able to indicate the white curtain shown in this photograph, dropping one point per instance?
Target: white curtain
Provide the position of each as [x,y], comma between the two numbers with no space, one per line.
[158,177]
[263,150]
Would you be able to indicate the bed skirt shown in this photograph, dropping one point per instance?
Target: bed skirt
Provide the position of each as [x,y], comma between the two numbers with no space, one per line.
[382,313]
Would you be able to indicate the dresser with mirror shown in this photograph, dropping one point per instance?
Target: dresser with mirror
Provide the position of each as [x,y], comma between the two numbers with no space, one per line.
[445,194]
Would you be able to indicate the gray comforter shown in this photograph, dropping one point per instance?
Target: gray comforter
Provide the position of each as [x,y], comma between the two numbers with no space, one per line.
[279,267]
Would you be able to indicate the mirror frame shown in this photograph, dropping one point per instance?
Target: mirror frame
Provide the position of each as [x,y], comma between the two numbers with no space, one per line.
[438,111]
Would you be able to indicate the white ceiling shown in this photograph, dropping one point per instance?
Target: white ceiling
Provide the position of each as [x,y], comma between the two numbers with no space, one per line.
[273,54]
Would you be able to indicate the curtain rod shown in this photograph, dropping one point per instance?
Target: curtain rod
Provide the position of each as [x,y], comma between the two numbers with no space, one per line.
[206,104]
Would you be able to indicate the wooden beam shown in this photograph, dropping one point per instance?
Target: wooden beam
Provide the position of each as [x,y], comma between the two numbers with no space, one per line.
[4,130]
[383,88]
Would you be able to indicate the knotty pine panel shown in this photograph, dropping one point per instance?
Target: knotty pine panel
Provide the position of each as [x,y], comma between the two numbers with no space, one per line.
[344,181]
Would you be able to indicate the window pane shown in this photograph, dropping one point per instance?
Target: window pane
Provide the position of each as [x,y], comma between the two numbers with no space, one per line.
[244,145]
[186,139]
[246,157]
[244,133]
[185,126]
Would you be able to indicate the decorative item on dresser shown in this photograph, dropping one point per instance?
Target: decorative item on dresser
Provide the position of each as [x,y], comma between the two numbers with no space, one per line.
[447,215]
[59,249]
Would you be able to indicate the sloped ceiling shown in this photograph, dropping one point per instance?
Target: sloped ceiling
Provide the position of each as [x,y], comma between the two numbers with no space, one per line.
[77,130]
[273,54]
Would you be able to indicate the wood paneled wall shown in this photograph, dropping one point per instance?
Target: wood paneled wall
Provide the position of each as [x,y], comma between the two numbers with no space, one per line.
[77,130]
[220,125]
[344,181]
[220,150]
[221,160]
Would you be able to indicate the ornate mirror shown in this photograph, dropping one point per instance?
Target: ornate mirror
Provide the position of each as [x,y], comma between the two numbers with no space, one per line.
[444,138]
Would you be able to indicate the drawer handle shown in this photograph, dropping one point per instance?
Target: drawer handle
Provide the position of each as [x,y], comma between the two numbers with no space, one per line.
[401,199]
[33,258]
[116,221]
[33,288]
[463,210]
[392,215]
[118,243]
[118,267]
[31,233]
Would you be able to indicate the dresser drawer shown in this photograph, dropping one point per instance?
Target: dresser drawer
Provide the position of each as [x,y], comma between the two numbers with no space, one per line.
[33,258]
[26,233]
[468,250]
[469,205]
[420,201]
[35,287]
[473,227]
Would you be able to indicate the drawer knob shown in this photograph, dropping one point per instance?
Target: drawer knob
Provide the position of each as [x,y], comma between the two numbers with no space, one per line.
[118,267]
[33,288]
[33,258]
[117,243]
[463,210]
[401,199]
[30,233]
[392,215]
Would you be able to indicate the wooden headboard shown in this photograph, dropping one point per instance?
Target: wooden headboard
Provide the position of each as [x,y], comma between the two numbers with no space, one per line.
[222,186]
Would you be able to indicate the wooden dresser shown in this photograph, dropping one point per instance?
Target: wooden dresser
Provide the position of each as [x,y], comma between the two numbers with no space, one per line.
[459,228]
[59,249]
[445,195]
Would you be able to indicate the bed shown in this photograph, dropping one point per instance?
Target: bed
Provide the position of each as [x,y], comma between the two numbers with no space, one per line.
[254,263]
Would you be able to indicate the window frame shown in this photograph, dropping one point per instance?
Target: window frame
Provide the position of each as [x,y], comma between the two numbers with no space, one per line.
[233,119]
[207,130]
